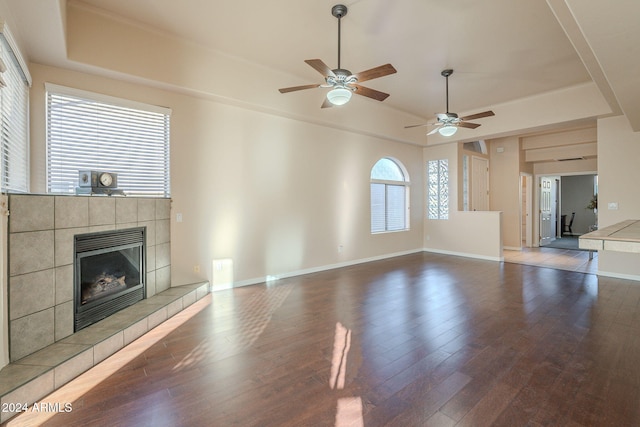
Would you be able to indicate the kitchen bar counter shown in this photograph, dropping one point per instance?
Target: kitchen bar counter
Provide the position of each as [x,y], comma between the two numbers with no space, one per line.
[621,237]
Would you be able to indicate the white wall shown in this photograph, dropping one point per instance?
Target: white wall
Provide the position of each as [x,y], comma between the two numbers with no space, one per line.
[504,173]
[274,195]
[278,195]
[475,234]
[618,177]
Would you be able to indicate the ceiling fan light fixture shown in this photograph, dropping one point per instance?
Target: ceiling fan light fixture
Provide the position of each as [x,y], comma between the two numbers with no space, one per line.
[448,130]
[339,96]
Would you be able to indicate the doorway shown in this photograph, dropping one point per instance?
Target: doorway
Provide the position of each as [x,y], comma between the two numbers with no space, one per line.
[577,193]
[480,179]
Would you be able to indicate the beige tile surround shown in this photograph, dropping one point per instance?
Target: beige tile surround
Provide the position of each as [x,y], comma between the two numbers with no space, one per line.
[41,235]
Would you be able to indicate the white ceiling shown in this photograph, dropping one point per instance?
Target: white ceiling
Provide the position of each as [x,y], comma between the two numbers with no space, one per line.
[501,50]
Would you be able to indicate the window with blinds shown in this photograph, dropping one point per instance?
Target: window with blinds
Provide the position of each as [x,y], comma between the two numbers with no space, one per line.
[14,117]
[87,131]
[389,197]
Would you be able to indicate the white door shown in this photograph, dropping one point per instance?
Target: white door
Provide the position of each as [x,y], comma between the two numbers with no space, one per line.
[480,184]
[547,210]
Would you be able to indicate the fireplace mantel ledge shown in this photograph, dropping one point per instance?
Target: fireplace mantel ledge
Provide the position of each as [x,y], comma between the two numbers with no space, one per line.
[33,377]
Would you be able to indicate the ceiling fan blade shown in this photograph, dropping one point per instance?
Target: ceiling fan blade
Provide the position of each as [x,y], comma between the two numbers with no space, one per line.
[294,88]
[320,66]
[468,125]
[370,93]
[433,131]
[424,124]
[374,73]
[478,115]
[417,126]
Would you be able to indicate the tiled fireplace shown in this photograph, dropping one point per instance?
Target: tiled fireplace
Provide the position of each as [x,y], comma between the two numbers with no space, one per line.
[42,236]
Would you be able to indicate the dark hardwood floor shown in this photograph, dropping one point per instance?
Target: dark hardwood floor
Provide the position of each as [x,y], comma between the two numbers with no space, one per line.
[418,340]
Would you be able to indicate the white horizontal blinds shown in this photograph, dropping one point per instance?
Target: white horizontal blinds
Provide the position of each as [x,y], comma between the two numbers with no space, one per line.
[396,209]
[378,205]
[86,133]
[389,189]
[14,126]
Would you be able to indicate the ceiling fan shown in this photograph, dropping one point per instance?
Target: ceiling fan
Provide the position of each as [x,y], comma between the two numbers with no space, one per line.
[342,81]
[448,123]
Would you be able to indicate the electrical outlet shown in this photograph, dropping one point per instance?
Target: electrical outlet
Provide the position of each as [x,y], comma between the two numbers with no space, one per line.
[196,268]
[340,248]
[612,206]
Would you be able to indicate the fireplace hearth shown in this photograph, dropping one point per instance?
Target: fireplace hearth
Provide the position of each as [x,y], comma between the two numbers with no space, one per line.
[109,273]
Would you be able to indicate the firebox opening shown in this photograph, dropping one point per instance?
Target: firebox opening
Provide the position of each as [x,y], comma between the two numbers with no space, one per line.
[109,273]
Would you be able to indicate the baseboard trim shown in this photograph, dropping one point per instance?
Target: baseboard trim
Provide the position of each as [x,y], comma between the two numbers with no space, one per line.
[633,277]
[271,278]
[465,254]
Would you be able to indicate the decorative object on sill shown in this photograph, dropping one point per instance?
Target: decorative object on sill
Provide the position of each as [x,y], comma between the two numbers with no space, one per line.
[98,182]
[448,123]
[342,81]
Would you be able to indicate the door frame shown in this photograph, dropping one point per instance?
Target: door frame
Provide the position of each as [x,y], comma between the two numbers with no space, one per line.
[526,209]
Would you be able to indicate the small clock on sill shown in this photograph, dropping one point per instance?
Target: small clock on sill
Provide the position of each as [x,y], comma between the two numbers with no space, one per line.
[97,179]
[98,182]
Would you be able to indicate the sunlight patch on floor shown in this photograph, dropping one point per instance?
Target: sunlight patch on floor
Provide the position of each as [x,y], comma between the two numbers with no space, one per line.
[349,409]
[349,412]
[76,388]
[341,346]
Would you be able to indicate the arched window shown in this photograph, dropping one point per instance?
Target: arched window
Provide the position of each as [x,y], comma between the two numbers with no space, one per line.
[389,196]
